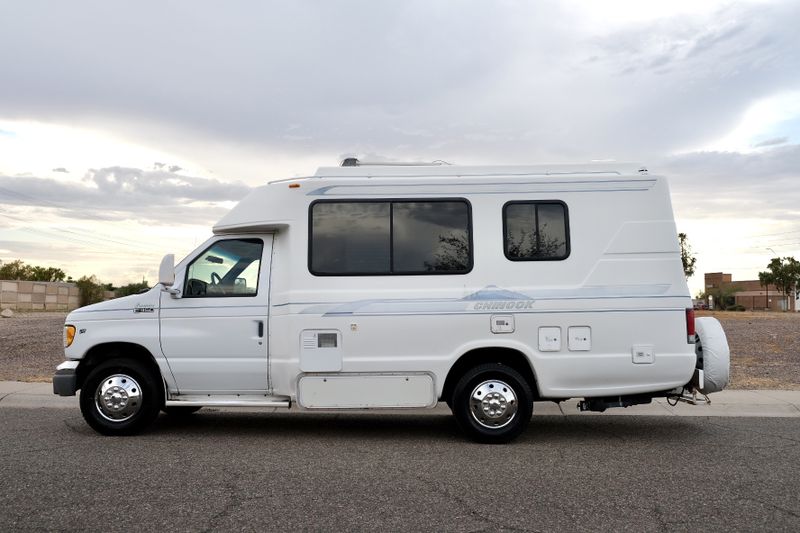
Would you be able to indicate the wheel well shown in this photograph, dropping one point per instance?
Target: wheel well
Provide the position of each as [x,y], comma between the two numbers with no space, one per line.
[110,350]
[504,356]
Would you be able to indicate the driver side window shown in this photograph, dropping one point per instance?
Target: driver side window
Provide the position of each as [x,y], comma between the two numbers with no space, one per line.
[227,268]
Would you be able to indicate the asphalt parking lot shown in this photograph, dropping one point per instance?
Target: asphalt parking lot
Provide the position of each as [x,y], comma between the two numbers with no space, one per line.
[223,470]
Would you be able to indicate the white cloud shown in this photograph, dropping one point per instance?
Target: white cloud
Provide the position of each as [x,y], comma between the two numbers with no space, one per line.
[258,91]
[735,207]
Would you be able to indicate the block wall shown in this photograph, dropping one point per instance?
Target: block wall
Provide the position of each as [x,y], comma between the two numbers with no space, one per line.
[38,296]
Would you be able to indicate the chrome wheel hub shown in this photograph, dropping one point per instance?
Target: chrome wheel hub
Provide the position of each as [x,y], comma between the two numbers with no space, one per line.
[493,404]
[118,398]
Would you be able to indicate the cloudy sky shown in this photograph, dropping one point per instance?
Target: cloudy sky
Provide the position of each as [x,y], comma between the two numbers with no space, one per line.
[128,129]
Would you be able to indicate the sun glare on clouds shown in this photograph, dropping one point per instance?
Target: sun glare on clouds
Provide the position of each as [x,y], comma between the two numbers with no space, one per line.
[769,122]
[37,148]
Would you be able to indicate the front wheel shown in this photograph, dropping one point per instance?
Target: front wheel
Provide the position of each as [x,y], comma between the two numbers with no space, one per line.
[120,397]
[492,403]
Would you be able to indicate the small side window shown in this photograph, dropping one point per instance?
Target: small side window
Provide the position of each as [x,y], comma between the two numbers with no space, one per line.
[536,231]
[226,268]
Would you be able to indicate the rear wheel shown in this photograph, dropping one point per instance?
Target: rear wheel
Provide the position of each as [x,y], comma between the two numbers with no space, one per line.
[120,397]
[492,403]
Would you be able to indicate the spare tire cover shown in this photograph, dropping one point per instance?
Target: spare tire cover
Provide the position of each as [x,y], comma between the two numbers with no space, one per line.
[716,354]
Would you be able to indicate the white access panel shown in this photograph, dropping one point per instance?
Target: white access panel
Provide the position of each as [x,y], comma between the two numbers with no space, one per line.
[502,323]
[549,339]
[320,350]
[643,354]
[360,391]
[580,338]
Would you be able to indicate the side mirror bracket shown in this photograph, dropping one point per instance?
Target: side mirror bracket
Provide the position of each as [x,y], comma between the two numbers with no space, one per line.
[166,275]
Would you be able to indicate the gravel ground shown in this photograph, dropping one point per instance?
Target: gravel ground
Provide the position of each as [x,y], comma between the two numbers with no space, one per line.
[31,346]
[765,348]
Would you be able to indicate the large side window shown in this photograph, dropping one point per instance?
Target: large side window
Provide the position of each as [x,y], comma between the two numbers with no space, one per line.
[226,268]
[390,237]
[536,231]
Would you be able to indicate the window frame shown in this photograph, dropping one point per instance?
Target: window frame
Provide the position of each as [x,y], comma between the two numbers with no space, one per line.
[206,249]
[390,201]
[537,202]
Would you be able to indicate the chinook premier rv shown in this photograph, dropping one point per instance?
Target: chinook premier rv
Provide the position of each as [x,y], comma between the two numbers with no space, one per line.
[400,286]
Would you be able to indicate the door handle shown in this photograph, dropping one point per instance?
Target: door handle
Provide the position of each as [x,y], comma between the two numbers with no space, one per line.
[260,328]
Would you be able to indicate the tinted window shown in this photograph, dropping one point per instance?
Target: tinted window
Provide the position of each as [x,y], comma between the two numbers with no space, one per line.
[387,237]
[227,268]
[350,237]
[430,237]
[536,231]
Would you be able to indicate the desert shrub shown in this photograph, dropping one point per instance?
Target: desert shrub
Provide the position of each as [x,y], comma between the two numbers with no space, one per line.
[91,290]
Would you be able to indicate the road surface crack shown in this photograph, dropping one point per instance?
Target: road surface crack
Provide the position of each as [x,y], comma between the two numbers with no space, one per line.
[491,523]
[771,506]
[233,502]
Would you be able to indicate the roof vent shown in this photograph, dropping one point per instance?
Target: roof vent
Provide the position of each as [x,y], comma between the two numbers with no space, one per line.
[355,162]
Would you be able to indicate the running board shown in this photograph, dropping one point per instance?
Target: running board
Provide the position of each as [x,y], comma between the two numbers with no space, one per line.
[229,401]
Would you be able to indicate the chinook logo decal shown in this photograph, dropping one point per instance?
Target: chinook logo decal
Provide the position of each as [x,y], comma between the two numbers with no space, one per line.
[487,299]
[144,308]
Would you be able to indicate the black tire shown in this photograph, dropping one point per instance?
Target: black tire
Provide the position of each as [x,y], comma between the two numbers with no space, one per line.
[506,409]
[180,410]
[133,396]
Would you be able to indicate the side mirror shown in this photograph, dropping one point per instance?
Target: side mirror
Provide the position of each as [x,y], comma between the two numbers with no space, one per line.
[166,272]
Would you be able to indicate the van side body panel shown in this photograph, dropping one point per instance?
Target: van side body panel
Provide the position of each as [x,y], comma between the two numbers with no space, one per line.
[619,295]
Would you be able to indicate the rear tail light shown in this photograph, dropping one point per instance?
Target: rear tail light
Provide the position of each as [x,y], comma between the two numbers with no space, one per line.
[690,326]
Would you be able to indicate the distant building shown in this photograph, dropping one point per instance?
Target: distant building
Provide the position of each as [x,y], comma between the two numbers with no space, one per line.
[750,294]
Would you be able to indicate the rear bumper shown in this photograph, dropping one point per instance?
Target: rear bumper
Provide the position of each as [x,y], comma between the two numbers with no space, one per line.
[65,382]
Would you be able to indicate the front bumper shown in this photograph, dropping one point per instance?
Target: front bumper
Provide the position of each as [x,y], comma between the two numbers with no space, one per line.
[65,380]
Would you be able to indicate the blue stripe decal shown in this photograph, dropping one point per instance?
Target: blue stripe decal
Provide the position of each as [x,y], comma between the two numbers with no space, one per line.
[529,312]
[638,185]
[323,191]
[547,299]
[491,299]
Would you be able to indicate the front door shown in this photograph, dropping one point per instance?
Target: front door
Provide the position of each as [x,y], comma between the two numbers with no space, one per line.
[215,334]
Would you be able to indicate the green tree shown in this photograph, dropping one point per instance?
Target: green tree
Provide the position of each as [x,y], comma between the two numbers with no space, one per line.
[784,273]
[724,297]
[15,270]
[18,270]
[91,290]
[132,288]
[766,279]
[39,273]
[687,258]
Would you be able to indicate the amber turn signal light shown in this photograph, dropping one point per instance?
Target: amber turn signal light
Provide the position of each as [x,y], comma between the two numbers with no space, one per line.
[69,335]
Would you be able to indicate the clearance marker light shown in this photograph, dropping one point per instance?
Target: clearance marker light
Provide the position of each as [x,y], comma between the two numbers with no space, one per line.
[294,185]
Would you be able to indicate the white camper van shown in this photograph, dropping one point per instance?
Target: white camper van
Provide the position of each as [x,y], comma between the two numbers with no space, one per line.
[400,286]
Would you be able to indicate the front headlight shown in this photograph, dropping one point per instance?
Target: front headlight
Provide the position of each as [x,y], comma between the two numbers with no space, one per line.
[69,335]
